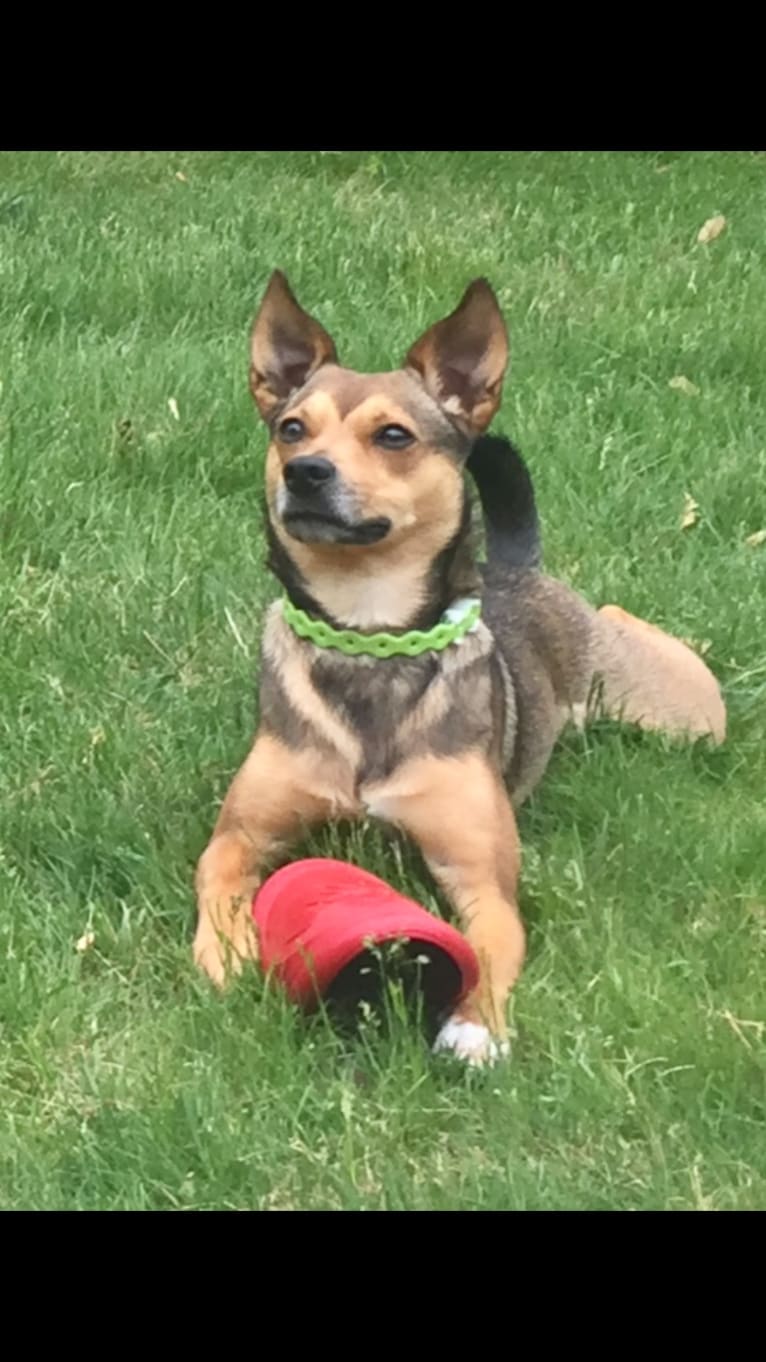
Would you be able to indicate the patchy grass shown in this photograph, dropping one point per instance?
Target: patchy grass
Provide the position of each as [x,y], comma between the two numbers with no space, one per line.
[132,589]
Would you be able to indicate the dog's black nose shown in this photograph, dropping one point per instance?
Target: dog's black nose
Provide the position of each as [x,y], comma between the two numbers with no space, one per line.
[308,474]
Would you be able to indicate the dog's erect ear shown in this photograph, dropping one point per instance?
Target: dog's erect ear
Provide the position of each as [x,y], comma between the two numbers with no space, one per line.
[462,359]
[286,346]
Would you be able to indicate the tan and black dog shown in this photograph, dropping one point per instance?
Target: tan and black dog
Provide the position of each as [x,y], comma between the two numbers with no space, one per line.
[370,530]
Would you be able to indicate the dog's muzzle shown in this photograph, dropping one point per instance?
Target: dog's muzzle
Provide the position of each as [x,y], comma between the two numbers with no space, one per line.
[316,508]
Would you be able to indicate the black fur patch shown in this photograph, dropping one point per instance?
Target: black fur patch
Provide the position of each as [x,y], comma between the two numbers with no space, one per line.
[508,502]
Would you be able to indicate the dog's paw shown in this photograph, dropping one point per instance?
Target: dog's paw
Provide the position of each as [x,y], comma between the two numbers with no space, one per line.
[218,964]
[471,1042]
[208,958]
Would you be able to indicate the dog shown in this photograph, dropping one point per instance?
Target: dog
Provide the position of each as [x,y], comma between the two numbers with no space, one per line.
[400,678]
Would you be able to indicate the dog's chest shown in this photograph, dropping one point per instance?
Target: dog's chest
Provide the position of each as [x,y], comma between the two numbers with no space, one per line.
[367,717]
[400,708]
[378,701]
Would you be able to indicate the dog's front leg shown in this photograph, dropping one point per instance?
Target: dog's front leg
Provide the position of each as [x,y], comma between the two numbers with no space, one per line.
[276,793]
[458,811]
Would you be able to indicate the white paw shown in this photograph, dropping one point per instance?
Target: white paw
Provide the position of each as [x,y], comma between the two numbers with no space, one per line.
[471,1042]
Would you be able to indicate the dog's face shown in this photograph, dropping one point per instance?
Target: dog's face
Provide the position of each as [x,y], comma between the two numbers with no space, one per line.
[369,460]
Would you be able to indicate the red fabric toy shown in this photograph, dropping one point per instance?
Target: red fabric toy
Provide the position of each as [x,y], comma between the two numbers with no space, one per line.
[317,918]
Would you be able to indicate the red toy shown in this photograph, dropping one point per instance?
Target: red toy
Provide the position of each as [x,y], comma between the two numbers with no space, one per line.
[317,920]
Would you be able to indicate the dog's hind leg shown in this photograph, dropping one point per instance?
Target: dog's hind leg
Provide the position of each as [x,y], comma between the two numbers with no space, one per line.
[644,676]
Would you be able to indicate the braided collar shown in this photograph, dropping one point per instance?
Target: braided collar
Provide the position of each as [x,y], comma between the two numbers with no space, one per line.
[461,618]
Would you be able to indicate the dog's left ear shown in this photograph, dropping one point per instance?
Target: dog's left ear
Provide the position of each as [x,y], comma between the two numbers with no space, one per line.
[462,360]
[286,347]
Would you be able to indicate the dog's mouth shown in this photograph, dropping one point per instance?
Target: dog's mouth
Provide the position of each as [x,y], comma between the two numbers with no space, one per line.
[321,527]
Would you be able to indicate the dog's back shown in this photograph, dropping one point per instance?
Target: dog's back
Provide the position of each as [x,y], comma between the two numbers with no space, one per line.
[542,629]
[562,655]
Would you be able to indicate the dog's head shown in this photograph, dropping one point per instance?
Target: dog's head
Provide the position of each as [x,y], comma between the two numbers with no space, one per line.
[372,460]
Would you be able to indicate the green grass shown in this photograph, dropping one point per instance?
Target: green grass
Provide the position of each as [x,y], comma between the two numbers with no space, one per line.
[132,590]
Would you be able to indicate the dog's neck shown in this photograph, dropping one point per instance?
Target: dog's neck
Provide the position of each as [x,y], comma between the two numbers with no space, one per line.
[373,592]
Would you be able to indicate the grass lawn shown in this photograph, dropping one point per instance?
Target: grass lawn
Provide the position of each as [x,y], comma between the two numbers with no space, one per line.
[132,590]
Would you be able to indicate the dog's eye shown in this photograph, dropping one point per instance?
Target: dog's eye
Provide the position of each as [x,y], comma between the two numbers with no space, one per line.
[291,430]
[393,437]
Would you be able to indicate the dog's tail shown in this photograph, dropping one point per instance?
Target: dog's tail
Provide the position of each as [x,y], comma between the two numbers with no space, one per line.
[508,502]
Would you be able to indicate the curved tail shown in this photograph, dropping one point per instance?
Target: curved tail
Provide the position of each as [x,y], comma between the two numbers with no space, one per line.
[508,502]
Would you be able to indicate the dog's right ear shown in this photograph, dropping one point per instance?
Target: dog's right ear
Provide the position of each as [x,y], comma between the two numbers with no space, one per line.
[286,347]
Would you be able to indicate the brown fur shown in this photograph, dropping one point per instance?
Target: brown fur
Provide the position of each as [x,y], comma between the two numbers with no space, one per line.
[425,743]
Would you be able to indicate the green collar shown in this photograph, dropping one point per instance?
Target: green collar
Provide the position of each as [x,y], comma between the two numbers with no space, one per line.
[460,619]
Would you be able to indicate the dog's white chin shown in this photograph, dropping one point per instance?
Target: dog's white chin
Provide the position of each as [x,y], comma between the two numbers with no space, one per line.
[311,531]
[471,1042]
[316,529]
